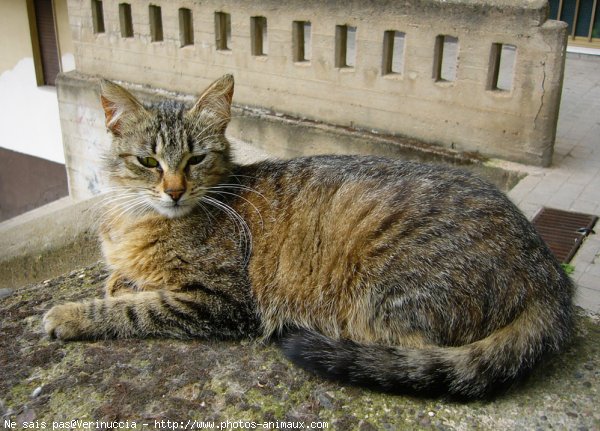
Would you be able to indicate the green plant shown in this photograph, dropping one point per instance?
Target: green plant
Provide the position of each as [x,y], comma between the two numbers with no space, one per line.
[568,268]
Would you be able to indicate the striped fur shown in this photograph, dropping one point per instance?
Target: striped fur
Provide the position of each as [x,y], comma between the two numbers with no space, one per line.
[389,274]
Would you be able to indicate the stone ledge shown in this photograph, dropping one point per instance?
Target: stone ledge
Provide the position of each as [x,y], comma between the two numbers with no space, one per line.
[48,241]
[153,380]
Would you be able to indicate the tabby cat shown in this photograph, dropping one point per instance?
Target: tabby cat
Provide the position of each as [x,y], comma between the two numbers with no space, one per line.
[394,275]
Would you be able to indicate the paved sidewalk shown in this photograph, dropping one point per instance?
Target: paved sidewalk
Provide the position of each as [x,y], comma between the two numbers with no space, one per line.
[573,182]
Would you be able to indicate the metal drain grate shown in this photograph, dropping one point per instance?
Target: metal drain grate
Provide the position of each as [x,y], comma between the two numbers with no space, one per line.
[563,231]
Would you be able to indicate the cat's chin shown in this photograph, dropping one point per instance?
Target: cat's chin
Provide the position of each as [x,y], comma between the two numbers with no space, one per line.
[173,211]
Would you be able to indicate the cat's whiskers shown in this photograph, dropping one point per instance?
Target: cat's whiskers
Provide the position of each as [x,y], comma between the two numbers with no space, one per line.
[118,199]
[110,202]
[243,228]
[221,192]
[132,203]
[240,187]
[118,191]
[211,218]
[134,208]
[232,215]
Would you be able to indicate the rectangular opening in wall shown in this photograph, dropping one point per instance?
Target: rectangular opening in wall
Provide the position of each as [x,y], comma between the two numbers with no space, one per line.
[501,67]
[351,47]
[445,58]
[301,40]
[156,27]
[125,20]
[258,35]
[223,31]
[97,16]
[345,46]
[45,44]
[186,27]
[393,52]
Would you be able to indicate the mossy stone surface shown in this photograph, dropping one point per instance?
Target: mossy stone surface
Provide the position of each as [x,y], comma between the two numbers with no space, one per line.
[152,380]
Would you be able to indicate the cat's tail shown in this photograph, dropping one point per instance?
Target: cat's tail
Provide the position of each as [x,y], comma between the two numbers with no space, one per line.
[475,370]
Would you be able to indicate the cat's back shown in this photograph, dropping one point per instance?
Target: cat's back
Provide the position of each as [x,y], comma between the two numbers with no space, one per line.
[406,214]
[328,171]
[367,181]
[332,225]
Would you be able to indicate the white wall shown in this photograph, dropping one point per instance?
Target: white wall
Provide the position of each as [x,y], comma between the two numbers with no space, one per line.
[29,120]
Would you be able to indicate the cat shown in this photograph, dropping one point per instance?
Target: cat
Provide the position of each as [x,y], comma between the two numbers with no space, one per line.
[399,276]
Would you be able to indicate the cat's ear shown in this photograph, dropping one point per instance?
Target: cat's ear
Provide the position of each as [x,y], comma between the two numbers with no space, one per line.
[120,106]
[214,105]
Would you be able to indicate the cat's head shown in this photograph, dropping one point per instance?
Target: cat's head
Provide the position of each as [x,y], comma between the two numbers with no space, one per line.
[164,156]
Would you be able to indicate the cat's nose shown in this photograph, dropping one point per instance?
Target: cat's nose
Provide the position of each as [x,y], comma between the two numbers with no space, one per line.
[175,193]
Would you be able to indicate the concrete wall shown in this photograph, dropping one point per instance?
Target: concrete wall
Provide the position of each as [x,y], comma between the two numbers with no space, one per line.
[15,42]
[518,124]
[86,137]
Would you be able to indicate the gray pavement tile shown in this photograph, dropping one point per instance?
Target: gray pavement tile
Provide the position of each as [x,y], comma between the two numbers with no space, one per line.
[588,299]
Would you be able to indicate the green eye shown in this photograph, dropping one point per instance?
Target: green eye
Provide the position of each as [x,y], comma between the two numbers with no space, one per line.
[194,160]
[148,162]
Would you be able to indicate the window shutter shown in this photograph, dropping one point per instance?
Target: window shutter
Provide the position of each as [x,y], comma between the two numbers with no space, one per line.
[44,19]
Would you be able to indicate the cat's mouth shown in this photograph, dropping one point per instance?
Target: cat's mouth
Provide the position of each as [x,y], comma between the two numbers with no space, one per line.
[172,209]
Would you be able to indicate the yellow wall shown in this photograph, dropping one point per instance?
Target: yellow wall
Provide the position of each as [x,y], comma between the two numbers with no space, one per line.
[15,40]
[63,30]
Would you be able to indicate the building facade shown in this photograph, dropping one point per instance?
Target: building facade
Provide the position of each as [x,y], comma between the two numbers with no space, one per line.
[36,45]
[478,77]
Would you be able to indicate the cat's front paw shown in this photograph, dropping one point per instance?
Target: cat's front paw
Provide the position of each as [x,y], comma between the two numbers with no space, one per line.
[67,321]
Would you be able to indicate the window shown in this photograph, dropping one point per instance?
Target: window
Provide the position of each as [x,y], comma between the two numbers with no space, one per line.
[97,16]
[301,37]
[345,46]
[445,58]
[125,20]
[156,28]
[393,52]
[186,27]
[45,45]
[222,31]
[501,67]
[258,35]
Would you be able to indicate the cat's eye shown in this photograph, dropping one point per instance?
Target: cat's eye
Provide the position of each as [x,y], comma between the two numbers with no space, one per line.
[194,160]
[149,162]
